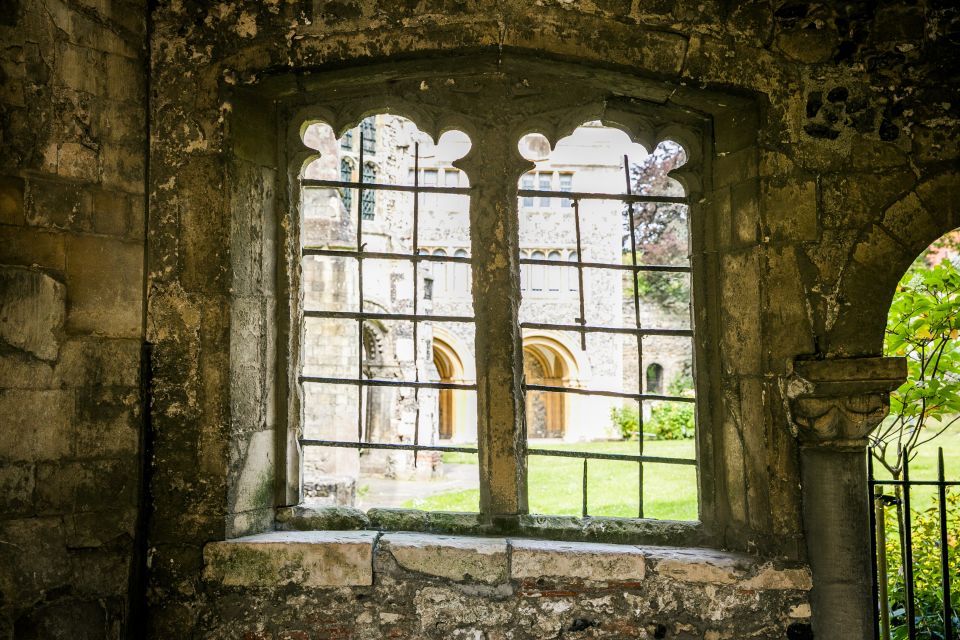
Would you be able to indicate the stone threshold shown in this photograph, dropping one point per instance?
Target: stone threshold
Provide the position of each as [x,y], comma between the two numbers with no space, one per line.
[329,559]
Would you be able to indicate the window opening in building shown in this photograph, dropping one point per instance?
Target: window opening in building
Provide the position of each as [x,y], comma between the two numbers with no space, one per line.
[389,407]
[594,432]
[368,201]
[368,130]
[389,362]
[346,175]
[655,378]
[346,142]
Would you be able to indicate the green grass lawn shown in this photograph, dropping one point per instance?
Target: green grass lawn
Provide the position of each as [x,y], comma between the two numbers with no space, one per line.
[670,491]
[555,484]
[924,467]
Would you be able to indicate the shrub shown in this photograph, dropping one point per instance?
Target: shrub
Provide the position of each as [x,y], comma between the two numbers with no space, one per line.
[668,420]
[928,590]
[627,419]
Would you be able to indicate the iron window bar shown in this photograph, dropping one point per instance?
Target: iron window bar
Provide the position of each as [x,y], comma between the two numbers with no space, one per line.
[607,265]
[676,333]
[370,315]
[607,393]
[381,255]
[346,444]
[878,502]
[388,382]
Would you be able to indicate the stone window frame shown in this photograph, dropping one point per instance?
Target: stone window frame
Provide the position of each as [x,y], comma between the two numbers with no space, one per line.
[710,125]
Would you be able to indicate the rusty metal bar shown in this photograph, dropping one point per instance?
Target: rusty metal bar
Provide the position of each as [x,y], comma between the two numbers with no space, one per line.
[309,183]
[379,382]
[609,394]
[908,550]
[309,442]
[360,321]
[944,548]
[582,320]
[380,255]
[607,265]
[584,488]
[636,311]
[682,333]
[619,457]
[416,291]
[371,315]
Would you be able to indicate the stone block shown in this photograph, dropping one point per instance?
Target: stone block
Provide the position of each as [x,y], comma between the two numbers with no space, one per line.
[591,562]
[11,200]
[123,167]
[34,558]
[740,312]
[771,578]
[16,488]
[104,287]
[76,160]
[97,361]
[745,211]
[111,212]
[32,307]
[698,565]
[36,424]
[58,204]
[460,558]
[307,559]
[26,246]
[21,371]
[92,529]
[124,78]
[735,167]
[91,485]
[106,423]
[790,209]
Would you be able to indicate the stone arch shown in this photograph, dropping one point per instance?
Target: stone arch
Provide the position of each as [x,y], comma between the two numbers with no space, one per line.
[456,410]
[547,361]
[880,258]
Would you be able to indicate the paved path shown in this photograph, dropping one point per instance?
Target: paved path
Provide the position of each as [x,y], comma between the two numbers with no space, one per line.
[387,492]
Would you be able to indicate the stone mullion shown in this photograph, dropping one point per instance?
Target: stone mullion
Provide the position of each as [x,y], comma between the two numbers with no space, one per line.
[494,171]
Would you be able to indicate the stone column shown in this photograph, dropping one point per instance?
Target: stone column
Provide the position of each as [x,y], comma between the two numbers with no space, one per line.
[833,406]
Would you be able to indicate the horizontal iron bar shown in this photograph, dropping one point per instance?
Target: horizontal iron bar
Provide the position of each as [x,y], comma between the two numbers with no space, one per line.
[585,195]
[380,255]
[606,265]
[375,382]
[378,186]
[915,483]
[523,193]
[685,333]
[563,453]
[309,442]
[369,315]
[609,394]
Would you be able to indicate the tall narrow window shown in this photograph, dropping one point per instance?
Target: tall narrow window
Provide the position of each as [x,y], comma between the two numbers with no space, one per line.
[368,129]
[346,175]
[537,272]
[346,142]
[543,184]
[554,272]
[655,379]
[573,275]
[368,203]
[462,286]
[566,184]
[526,182]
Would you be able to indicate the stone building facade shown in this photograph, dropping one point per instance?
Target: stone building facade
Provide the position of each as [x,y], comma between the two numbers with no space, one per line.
[143,205]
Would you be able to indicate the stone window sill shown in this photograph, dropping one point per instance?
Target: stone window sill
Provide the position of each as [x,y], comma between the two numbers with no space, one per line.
[329,559]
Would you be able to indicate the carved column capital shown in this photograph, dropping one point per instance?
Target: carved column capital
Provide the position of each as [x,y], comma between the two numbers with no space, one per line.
[836,403]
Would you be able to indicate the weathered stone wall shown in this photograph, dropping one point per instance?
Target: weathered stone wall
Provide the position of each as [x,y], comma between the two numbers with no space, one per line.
[853,174]
[403,585]
[72,157]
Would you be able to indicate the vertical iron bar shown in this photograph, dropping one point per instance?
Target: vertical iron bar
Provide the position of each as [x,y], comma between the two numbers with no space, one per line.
[584,487]
[416,282]
[636,313]
[944,548]
[582,320]
[872,502]
[908,548]
[360,387]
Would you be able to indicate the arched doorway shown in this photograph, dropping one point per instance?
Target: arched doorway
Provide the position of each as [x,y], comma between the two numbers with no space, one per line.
[544,364]
[450,369]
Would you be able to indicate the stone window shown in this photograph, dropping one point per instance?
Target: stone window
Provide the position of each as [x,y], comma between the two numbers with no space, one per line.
[654,378]
[499,267]
[368,204]
[346,175]
[368,130]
